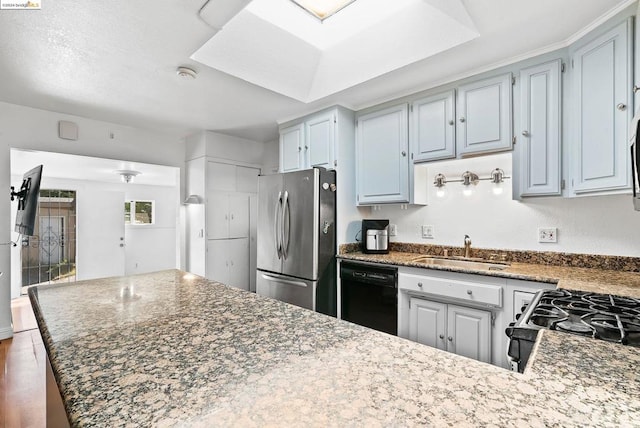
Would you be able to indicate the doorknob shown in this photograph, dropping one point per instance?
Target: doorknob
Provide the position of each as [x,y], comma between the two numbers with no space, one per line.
[621,106]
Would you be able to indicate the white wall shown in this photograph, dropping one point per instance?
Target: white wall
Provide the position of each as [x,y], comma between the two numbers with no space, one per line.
[28,128]
[594,225]
[271,158]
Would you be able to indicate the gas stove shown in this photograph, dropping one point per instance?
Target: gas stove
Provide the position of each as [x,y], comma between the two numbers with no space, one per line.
[601,316]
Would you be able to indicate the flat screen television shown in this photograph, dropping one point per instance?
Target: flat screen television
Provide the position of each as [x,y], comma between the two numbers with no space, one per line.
[27,198]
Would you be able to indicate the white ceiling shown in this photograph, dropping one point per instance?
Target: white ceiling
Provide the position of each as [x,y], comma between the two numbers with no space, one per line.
[116,61]
[85,168]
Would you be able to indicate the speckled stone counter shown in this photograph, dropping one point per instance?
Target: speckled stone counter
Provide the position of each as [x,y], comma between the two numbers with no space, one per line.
[573,278]
[163,349]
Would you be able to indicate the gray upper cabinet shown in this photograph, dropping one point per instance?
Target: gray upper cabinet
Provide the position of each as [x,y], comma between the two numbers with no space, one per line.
[319,141]
[382,161]
[484,115]
[291,142]
[602,80]
[433,127]
[539,151]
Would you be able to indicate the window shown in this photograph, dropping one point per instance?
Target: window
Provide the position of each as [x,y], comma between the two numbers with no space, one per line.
[139,212]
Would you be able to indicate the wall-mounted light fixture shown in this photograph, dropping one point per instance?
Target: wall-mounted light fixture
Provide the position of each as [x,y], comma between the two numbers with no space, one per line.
[469,178]
[127,176]
[193,200]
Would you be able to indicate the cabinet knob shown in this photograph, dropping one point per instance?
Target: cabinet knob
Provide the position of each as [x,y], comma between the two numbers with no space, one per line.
[636,88]
[450,339]
[299,148]
[451,122]
[306,147]
[469,292]
[621,106]
[441,336]
[462,119]
[525,133]
[404,153]
[420,284]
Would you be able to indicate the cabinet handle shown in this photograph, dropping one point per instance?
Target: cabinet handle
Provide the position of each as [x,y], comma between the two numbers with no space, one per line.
[450,339]
[441,336]
[404,153]
[469,292]
[525,133]
[462,119]
[420,284]
[621,106]
[299,148]
[231,216]
[306,147]
[636,88]
[451,122]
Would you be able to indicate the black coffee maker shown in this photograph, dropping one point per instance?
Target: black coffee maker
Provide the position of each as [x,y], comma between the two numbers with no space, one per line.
[375,236]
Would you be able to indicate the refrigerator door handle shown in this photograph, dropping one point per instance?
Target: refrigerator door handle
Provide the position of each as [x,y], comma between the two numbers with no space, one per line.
[284,243]
[284,281]
[276,229]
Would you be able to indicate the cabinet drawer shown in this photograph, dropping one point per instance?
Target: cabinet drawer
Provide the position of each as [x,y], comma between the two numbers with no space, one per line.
[450,288]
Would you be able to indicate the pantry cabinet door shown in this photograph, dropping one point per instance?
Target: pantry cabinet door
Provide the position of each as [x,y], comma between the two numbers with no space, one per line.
[382,162]
[217,215]
[602,95]
[433,127]
[427,323]
[237,251]
[238,215]
[484,115]
[217,260]
[469,332]
[540,130]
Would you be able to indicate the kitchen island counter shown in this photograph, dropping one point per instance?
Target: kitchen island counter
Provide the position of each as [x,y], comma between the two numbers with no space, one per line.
[168,348]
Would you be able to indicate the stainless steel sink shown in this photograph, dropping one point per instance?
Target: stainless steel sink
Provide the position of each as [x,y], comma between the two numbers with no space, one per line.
[459,262]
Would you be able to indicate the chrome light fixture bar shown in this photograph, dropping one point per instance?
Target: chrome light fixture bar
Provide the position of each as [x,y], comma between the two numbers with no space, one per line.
[323,9]
[468,178]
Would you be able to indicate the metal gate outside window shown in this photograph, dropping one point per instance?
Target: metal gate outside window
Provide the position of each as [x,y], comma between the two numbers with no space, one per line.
[50,255]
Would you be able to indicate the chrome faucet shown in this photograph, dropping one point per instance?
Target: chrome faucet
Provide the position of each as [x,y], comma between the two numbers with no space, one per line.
[467,246]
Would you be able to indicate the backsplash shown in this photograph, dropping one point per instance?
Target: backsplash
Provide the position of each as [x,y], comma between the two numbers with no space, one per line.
[595,261]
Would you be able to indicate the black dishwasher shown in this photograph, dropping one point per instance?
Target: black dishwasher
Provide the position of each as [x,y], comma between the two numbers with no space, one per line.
[369,296]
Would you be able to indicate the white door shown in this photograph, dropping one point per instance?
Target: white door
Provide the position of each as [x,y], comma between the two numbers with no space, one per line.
[291,140]
[433,127]
[469,332]
[238,215]
[238,255]
[319,143]
[217,215]
[100,243]
[427,323]
[218,260]
[51,235]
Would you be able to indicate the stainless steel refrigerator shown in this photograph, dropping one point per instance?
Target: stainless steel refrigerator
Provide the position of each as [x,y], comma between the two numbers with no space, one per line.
[297,238]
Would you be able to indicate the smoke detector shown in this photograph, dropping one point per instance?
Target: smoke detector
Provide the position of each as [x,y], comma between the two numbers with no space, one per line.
[186,73]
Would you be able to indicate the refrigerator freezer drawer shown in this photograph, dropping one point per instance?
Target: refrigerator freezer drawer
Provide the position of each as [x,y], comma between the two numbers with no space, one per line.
[287,289]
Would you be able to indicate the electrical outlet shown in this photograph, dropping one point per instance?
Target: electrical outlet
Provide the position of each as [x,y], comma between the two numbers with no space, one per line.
[547,234]
[427,231]
[393,230]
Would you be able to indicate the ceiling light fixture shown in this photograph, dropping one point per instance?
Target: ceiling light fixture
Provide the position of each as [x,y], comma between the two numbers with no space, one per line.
[323,9]
[127,176]
[186,73]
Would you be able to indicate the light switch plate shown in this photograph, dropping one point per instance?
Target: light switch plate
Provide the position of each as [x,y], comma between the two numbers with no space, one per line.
[393,230]
[547,234]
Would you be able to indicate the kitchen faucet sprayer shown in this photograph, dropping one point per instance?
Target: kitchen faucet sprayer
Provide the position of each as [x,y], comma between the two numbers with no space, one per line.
[467,246]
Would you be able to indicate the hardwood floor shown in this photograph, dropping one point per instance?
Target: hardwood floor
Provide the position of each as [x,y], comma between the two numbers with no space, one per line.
[23,375]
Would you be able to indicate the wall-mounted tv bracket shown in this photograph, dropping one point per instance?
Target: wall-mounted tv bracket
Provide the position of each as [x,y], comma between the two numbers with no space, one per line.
[22,194]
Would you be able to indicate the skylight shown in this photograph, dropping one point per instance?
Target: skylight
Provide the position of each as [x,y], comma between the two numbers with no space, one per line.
[323,9]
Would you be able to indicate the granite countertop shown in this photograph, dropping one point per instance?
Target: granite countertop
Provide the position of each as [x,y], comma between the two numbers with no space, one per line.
[169,349]
[573,278]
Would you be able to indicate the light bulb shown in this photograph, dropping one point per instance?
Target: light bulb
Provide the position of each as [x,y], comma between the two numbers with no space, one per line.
[467,191]
[497,190]
[441,193]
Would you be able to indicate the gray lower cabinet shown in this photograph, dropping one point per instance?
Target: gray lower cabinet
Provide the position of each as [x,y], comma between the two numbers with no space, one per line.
[539,150]
[457,329]
[484,115]
[602,110]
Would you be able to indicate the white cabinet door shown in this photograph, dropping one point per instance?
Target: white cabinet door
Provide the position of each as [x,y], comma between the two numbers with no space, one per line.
[469,332]
[238,215]
[221,177]
[217,262]
[484,115]
[427,323]
[291,141]
[320,140]
[602,96]
[540,130]
[382,164]
[247,179]
[217,215]
[237,252]
[433,127]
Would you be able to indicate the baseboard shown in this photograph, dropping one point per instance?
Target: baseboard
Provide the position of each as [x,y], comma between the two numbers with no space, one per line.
[6,332]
